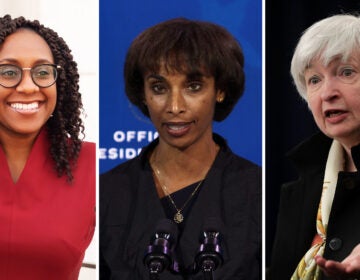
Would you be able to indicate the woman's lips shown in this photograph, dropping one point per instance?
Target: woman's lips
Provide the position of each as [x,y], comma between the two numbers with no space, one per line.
[333,113]
[335,116]
[178,129]
[25,108]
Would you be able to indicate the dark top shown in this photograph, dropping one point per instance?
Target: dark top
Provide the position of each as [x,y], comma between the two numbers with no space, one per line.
[130,209]
[182,198]
[299,203]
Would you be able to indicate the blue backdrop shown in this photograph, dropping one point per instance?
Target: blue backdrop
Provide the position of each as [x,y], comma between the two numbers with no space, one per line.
[123,129]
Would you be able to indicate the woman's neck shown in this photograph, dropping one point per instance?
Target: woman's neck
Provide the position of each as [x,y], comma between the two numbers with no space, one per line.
[16,150]
[178,168]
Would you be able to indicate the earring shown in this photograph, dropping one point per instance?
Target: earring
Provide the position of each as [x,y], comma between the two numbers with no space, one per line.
[220,98]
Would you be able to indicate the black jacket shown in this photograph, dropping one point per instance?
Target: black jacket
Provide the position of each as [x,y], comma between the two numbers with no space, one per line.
[299,203]
[130,209]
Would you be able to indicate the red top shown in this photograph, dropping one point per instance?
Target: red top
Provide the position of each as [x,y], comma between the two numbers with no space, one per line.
[45,223]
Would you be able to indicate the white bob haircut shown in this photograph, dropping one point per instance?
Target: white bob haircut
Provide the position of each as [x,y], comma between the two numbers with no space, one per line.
[337,36]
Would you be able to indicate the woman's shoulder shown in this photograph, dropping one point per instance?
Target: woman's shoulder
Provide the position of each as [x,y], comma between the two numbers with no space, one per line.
[121,179]
[232,161]
[239,173]
[127,168]
[240,162]
[88,152]
[118,183]
[243,171]
[89,146]
[130,168]
[85,164]
[312,150]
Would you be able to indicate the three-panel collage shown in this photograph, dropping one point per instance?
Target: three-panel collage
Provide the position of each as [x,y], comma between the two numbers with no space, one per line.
[169,140]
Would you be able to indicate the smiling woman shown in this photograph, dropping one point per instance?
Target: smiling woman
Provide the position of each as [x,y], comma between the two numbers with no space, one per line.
[46,203]
[183,75]
[30,105]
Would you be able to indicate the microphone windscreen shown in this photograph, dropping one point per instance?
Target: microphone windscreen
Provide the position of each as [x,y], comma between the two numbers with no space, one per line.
[167,226]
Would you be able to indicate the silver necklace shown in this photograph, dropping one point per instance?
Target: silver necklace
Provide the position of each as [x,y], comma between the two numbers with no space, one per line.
[178,217]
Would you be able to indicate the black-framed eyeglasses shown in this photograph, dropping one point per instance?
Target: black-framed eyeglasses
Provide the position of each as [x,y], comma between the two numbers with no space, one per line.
[43,75]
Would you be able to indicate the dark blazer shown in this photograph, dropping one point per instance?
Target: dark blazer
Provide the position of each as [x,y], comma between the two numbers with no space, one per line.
[130,210]
[299,203]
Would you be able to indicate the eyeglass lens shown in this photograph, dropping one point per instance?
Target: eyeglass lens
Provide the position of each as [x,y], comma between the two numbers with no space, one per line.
[43,75]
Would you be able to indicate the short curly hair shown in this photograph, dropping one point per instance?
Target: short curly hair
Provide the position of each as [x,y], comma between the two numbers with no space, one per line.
[187,46]
[65,126]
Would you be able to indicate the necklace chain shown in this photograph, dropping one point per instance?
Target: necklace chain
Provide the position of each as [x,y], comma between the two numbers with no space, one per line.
[178,217]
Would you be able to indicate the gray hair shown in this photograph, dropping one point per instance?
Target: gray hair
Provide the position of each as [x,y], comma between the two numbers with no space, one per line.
[337,36]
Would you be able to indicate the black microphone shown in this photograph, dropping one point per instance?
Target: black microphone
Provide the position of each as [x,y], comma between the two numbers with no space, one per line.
[209,256]
[158,255]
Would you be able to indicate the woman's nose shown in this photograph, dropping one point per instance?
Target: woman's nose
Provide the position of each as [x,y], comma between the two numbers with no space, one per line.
[330,89]
[26,84]
[176,102]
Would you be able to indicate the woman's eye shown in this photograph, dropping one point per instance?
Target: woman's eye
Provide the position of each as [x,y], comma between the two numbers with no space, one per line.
[42,72]
[313,80]
[347,72]
[42,75]
[194,86]
[158,88]
[9,73]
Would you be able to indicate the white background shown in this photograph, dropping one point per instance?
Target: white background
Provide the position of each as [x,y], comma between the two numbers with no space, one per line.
[76,21]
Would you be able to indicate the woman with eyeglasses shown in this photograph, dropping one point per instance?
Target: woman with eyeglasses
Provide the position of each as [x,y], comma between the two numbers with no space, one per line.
[183,74]
[47,173]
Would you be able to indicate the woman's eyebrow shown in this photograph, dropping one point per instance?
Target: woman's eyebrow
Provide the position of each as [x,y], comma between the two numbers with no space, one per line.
[155,76]
[16,61]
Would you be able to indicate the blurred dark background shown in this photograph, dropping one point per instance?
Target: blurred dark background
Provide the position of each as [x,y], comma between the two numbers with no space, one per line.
[287,118]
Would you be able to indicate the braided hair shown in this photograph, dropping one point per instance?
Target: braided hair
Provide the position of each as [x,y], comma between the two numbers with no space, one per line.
[65,126]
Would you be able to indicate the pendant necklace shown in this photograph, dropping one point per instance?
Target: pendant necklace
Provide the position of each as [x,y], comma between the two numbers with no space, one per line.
[178,217]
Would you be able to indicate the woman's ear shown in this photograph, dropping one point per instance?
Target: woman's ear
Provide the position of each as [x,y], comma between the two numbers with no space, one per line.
[220,96]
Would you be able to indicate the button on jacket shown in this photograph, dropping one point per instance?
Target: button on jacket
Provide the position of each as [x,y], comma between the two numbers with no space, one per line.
[299,204]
